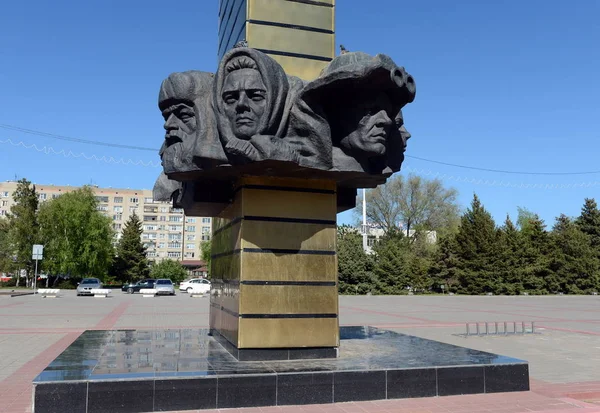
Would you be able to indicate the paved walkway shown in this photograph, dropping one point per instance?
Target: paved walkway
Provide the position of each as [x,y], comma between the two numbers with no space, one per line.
[564,358]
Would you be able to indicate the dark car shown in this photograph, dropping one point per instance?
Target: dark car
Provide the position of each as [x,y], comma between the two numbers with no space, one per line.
[135,288]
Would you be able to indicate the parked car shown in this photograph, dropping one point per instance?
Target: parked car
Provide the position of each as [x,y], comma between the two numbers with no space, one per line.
[199,284]
[135,288]
[86,285]
[164,286]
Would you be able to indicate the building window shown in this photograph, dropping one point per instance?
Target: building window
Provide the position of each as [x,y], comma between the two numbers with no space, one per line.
[191,237]
[2,212]
[118,208]
[175,218]
[102,198]
[132,209]
[175,227]
[174,237]
[189,255]
[172,254]
[190,228]
[161,245]
[206,230]
[190,246]
[134,200]
[54,196]
[174,245]
[148,200]
[117,217]
[117,227]
[102,207]
[5,194]
[149,235]
[149,227]
[4,203]
[162,218]
[149,218]
[176,210]
[118,200]
[161,236]
[151,254]
[42,197]
[205,237]
[206,220]
[190,220]
[164,210]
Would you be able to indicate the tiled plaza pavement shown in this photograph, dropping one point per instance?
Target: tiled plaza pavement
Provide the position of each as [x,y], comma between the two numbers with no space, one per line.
[564,359]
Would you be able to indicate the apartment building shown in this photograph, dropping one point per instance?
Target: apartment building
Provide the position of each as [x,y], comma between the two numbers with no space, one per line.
[167,231]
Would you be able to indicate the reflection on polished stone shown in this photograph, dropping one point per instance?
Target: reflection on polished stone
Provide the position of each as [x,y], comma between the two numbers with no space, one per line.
[124,354]
[114,370]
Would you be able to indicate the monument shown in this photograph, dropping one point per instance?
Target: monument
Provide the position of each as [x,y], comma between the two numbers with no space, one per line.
[274,157]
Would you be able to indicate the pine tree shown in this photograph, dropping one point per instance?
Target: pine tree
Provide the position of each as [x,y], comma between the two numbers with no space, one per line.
[23,224]
[535,255]
[589,222]
[574,263]
[131,262]
[444,266]
[391,265]
[477,250]
[354,265]
[510,263]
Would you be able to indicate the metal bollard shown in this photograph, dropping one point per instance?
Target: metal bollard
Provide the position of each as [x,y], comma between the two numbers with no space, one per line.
[505,332]
[533,327]
[514,327]
[468,329]
[477,328]
[496,326]
[486,329]
[523,327]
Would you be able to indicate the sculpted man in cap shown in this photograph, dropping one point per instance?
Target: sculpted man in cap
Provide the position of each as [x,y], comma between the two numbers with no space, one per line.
[191,141]
[260,117]
[362,97]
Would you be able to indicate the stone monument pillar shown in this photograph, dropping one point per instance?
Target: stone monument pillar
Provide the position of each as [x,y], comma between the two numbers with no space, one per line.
[274,158]
[274,269]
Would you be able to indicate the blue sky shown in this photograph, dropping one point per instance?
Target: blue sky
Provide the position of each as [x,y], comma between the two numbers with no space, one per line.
[509,85]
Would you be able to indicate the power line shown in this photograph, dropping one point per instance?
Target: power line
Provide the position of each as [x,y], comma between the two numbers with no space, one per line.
[78,140]
[500,170]
[143,148]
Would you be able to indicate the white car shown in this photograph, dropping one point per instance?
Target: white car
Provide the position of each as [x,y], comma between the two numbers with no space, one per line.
[164,286]
[197,285]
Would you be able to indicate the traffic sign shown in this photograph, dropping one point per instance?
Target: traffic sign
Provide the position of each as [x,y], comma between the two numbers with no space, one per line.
[38,252]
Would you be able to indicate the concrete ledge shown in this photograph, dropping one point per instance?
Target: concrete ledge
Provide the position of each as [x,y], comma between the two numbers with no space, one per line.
[100,292]
[148,292]
[49,292]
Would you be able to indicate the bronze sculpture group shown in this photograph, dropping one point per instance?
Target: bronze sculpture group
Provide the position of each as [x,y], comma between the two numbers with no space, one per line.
[252,118]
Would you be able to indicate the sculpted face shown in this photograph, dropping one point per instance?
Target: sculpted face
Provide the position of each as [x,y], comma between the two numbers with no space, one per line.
[180,125]
[372,127]
[404,133]
[245,97]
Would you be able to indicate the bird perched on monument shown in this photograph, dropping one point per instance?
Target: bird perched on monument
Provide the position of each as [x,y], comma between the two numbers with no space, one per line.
[343,50]
[241,43]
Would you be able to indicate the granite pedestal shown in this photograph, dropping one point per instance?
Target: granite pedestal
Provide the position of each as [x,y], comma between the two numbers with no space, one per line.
[120,371]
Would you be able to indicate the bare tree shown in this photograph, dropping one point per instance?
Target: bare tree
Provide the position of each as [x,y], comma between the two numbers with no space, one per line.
[415,203]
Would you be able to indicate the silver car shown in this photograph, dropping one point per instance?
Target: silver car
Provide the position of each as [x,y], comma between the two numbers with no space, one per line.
[164,286]
[86,285]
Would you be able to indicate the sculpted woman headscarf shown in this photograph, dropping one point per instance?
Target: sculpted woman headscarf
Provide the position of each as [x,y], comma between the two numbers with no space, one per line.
[259,115]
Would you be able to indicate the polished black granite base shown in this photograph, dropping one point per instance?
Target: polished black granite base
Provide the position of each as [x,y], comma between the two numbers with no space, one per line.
[162,370]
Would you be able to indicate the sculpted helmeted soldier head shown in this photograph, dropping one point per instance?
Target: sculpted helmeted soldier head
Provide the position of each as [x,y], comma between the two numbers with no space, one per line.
[190,128]
[362,97]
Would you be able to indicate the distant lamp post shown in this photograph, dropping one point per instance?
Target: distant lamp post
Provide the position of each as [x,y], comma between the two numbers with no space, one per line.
[443,287]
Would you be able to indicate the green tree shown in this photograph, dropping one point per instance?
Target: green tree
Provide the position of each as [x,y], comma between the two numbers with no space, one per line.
[131,262]
[524,217]
[6,251]
[169,269]
[415,203]
[391,266]
[510,264]
[354,264]
[23,225]
[444,266]
[77,238]
[206,254]
[477,250]
[589,222]
[574,263]
[535,254]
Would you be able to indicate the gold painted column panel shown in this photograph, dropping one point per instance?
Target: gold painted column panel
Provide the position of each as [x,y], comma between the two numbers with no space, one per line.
[274,265]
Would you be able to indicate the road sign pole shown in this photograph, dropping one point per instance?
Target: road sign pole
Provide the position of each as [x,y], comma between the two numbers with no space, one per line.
[35,277]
